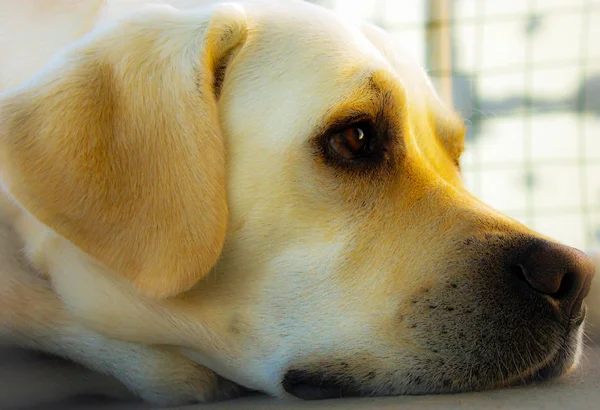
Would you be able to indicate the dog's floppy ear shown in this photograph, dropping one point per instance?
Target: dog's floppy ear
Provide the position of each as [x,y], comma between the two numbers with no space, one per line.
[116,145]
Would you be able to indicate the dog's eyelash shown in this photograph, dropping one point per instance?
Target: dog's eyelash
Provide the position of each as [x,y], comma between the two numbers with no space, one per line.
[351,121]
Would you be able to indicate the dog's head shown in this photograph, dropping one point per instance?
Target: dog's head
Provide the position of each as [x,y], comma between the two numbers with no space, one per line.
[281,190]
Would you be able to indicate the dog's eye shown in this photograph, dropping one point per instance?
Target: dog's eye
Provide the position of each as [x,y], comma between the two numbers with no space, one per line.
[351,142]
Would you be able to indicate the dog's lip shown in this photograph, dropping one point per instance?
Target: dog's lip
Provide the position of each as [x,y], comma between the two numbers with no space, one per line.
[554,365]
[578,319]
[310,392]
[307,386]
[550,368]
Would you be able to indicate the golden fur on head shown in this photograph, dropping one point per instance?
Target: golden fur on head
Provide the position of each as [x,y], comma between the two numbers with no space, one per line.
[189,226]
[119,157]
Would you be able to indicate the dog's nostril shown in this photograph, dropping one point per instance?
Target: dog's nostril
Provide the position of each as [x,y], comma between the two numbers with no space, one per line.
[567,284]
[562,273]
[546,281]
[518,271]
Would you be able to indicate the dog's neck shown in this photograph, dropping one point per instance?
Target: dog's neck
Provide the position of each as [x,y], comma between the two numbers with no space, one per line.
[76,278]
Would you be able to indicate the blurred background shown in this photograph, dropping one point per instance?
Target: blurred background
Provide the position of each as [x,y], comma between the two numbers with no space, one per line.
[525,74]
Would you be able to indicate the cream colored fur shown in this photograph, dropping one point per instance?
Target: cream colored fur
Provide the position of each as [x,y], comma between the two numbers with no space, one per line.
[163,214]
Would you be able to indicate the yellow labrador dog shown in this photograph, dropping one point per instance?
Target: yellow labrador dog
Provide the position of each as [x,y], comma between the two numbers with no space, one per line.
[197,197]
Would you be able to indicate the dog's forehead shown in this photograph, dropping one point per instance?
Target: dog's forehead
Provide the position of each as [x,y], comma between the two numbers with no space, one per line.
[314,48]
[300,64]
[305,60]
[311,37]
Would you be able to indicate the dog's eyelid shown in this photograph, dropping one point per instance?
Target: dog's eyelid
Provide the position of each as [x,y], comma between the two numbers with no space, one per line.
[349,121]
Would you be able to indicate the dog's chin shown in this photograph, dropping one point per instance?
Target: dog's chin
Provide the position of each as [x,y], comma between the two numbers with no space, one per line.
[560,361]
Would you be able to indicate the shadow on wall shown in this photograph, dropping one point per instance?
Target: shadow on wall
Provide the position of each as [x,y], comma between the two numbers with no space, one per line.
[585,100]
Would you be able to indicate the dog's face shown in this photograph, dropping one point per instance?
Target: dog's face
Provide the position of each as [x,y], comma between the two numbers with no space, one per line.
[354,260]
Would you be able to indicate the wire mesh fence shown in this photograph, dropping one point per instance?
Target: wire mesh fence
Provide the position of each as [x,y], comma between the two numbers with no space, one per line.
[525,74]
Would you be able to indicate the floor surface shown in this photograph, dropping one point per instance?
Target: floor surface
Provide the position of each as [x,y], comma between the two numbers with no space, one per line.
[29,381]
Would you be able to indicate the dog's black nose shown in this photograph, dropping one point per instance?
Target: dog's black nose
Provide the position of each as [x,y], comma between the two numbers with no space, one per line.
[561,273]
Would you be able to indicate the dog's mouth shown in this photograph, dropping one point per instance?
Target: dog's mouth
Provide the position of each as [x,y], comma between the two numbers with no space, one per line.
[562,360]
[315,386]
[318,385]
[311,386]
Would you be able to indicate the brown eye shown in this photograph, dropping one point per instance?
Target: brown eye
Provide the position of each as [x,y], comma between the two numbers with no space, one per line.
[350,143]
